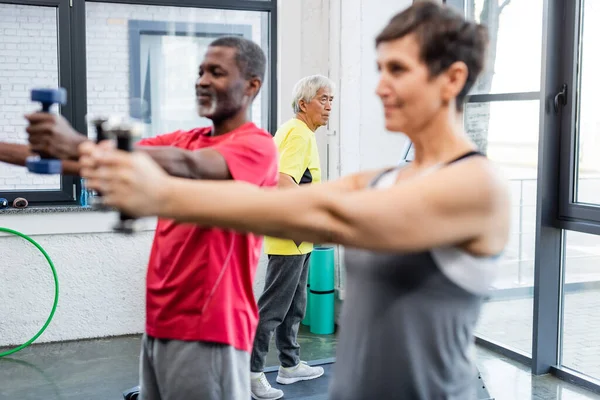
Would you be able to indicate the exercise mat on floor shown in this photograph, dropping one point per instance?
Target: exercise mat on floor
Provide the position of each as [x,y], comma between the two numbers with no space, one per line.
[317,389]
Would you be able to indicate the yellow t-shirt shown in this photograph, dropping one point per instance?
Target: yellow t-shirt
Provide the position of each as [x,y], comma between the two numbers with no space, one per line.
[298,158]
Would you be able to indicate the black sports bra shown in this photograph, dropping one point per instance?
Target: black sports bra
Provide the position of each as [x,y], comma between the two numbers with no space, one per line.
[468,154]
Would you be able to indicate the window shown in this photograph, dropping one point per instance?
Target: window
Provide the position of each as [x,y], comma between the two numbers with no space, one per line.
[513,146]
[515,34]
[115,58]
[155,54]
[537,119]
[29,58]
[587,181]
[579,191]
[502,117]
[581,299]
[580,169]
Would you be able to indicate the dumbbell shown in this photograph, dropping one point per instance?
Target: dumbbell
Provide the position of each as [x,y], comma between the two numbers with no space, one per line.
[98,123]
[124,132]
[3,203]
[43,164]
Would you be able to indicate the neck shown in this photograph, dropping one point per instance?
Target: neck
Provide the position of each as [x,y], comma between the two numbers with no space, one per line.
[304,118]
[439,140]
[221,127]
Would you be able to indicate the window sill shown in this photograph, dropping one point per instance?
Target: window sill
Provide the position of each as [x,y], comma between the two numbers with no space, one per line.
[45,210]
[63,220]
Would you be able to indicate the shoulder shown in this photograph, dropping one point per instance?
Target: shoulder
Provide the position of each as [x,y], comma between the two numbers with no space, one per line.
[294,129]
[473,174]
[254,139]
[164,139]
[479,187]
[472,187]
[251,130]
[484,177]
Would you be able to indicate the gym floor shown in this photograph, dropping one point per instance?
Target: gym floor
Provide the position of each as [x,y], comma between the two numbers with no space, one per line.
[102,369]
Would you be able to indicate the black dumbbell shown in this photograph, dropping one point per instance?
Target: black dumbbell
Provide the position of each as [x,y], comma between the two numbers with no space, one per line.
[43,164]
[98,123]
[124,134]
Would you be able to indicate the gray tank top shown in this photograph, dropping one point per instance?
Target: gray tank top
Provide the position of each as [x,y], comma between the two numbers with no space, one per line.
[407,322]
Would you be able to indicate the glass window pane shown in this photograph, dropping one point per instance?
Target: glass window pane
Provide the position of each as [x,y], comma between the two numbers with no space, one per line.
[28,60]
[508,314]
[154,53]
[515,48]
[588,121]
[581,315]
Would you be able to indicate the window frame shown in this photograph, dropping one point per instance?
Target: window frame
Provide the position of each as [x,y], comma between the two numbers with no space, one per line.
[71,24]
[69,185]
[572,215]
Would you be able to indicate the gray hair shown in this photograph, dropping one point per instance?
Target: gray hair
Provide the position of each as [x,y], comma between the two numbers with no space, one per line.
[306,89]
[250,58]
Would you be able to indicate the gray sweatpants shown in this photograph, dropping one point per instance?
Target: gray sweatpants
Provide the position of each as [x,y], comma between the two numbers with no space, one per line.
[281,308]
[177,370]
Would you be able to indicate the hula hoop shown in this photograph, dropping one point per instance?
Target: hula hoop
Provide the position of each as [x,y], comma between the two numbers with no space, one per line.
[41,249]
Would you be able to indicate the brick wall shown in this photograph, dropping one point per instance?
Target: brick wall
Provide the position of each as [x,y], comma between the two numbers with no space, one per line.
[28,59]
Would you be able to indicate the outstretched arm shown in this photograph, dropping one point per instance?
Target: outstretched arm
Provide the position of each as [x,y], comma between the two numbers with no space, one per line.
[17,154]
[454,205]
[53,135]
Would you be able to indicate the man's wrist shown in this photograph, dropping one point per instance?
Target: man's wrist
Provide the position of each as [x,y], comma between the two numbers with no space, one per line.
[77,141]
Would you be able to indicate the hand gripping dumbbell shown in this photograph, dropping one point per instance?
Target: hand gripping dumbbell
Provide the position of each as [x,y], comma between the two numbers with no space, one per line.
[124,132]
[43,164]
[98,123]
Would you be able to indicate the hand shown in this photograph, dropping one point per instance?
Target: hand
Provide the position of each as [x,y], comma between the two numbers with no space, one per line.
[131,182]
[52,135]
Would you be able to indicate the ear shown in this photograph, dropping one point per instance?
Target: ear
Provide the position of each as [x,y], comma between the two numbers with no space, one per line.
[302,105]
[455,78]
[253,87]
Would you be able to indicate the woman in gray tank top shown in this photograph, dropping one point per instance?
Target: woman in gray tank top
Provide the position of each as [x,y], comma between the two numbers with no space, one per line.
[421,239]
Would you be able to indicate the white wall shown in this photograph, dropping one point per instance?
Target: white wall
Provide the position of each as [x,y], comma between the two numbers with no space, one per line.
[101,276]
[364,142]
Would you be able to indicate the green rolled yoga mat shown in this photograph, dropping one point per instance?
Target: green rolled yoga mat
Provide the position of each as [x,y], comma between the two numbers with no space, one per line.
[322,300]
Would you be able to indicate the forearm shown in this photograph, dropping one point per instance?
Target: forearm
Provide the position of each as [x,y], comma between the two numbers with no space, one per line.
[70,167]
[181,163]
[16,154]
[171,159]
[262,211]
[13,153]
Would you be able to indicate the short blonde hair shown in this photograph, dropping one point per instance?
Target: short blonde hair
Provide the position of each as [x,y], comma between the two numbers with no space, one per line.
[306,89]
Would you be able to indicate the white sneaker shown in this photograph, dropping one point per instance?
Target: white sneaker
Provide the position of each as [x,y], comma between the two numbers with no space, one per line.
[261,389]
[301,372]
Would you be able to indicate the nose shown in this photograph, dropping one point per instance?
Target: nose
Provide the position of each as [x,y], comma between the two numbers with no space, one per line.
[383,89]
[202,81]
[328,106]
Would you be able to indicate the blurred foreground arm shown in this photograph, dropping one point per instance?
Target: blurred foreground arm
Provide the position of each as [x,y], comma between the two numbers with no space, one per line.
[458,204]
